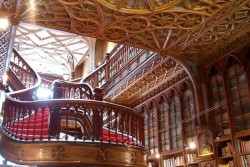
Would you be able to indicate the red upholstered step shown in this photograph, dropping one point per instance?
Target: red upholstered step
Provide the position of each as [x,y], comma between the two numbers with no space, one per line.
[31,126]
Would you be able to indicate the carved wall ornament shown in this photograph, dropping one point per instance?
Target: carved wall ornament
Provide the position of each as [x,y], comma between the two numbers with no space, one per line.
[102,155]
[133,157]
[58,152]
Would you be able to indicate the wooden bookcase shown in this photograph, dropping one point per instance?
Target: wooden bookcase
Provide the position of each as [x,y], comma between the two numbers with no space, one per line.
[226,118]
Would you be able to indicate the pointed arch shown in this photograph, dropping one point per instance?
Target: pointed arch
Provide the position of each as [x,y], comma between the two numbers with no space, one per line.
[238,93]
[217,102]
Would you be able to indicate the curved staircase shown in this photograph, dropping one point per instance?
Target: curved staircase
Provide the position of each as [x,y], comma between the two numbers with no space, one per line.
[74,128]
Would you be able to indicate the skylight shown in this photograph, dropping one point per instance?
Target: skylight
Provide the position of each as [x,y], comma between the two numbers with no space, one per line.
[46,50]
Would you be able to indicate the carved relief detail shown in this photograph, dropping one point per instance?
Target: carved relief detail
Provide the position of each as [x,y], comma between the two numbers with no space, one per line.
[133,157]
[102,155]
[58,152]
[188,27]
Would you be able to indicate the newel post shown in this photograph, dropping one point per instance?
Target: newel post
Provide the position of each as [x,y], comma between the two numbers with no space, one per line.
[97,124]
[54,122]
[107,65]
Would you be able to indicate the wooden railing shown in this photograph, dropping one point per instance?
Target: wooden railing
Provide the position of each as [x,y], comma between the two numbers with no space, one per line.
[22,70]
[123,59]
[63,118]
[29,121]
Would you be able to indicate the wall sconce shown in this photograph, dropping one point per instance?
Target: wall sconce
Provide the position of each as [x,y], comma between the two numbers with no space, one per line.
[157,156]
[192,145]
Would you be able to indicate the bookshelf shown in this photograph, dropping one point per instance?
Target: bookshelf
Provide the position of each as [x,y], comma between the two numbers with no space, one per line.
[224,152]
[243,150]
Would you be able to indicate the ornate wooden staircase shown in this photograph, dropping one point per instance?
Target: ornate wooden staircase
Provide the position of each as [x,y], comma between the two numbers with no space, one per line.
[75,127]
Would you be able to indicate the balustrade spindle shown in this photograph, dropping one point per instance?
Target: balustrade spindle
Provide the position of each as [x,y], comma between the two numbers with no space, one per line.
[28,127]
[35,120]
[67,121]
[122,128]
[109,113]
[116,130]
[18,120]
[43,111]
[23,116]
[76,131]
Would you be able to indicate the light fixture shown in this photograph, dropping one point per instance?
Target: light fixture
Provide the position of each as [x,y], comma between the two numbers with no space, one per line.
[192,145]
[157,155]
[4,22]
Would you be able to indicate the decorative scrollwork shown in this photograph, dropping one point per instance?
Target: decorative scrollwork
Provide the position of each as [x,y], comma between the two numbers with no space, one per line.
[115,34]
[102,155]
[162,19]
[58,152]
[84,11]
[86,28]
[7,5]
[133,157]
[70,2]
[189,20]
[134,25]
[4,37]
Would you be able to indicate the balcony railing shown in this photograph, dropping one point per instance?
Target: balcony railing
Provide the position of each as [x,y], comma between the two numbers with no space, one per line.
[122,61]
[76,113]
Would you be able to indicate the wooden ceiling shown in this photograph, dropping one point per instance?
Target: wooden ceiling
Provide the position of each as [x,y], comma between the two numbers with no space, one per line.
[185,29]
[188,29]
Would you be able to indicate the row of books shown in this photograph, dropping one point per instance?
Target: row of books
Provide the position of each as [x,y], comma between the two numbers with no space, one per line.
[227,150]
[191,158]
[245,160]
[229,164]
[175,161]
[244,146]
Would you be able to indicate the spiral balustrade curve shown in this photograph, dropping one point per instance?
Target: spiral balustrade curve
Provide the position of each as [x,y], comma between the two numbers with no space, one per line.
[75,113]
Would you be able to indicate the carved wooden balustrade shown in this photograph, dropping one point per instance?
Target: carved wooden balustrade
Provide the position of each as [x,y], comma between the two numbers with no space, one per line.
[117,65]
[30,121]
[22,70]
[99,133]
[75,113]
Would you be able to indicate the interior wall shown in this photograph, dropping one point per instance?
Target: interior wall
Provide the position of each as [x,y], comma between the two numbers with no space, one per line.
[102,47]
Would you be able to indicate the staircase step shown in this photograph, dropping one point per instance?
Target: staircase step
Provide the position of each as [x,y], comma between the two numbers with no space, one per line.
[30,126]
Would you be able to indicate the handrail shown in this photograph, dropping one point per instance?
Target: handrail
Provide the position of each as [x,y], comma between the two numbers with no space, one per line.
[124,125]
[122,59]
[71,90]
[30,79]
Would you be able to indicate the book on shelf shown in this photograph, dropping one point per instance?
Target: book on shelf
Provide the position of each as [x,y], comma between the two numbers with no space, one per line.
[191,158]
[175,161]
[245,161]
[244,146]
[227,150]
[229,164]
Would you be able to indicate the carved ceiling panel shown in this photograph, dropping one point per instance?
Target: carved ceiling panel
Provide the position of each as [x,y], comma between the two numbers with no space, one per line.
[182,28]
